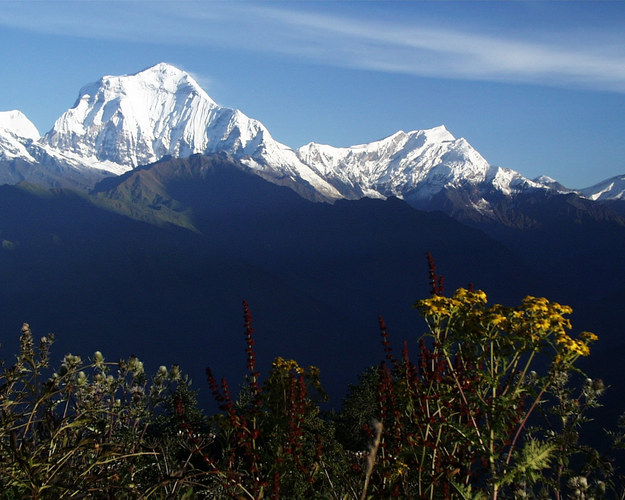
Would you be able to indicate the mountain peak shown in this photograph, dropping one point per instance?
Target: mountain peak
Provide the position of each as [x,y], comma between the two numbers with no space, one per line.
[609,189]
[168,77]
[162,68]
[439,134]
[16,133]
[16,122]
[136,119]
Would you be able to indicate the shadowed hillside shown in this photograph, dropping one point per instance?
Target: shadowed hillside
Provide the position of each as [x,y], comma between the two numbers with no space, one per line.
[316,275]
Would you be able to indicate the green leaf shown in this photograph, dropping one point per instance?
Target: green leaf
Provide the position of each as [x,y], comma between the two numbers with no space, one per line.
[187,494]
[534,457]
[465,492]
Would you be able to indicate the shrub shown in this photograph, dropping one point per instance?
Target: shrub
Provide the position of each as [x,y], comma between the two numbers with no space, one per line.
[486,410]
[491,406]
[84,429]
[273,440]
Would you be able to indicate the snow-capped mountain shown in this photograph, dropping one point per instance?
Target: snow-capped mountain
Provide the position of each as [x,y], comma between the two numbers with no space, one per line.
[609,189]
[16,133]
[550,182]
[121,122]
[24,157]
[137,119]
[412,165]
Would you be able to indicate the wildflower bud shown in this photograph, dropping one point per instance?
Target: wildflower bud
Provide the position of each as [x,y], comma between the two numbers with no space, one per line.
[174,372]
[82,379]
[161,375]
[98,359]
[135,366]
[598,385]
[72,361]
[63,370]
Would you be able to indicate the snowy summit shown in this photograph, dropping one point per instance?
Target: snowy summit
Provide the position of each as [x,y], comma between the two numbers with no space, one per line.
[121,122]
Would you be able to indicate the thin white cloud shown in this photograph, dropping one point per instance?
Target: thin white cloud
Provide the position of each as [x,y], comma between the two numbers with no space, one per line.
[572,58]
[442,52]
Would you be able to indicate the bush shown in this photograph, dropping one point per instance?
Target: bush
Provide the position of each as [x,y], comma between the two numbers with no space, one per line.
[491,406]
[456,422]
[273,440]
[84,429]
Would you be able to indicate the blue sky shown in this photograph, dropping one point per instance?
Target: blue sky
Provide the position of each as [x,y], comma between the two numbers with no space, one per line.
[534,86]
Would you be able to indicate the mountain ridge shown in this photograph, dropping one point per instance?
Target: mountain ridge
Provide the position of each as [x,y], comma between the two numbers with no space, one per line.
[121,122]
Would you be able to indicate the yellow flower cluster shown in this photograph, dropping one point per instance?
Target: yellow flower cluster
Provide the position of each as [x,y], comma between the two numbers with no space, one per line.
[588,336]
[286,365]
[446,306]
[572,346]
[528,326]
[540,318]
[476,297]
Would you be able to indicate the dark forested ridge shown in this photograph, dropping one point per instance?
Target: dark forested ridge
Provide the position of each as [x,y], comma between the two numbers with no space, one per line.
[158,260]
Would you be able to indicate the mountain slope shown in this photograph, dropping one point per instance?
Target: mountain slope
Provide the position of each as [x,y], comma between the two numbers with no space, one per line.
[316,275]
[177,190]
[121,122]
[609,189]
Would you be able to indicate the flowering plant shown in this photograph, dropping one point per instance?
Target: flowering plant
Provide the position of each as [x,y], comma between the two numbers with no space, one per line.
[486,354]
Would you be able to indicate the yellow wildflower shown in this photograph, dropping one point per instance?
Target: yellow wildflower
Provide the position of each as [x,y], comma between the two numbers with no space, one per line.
[588,336]
[286,365]
[467,297]
[480,296]
[573,346]
[497,319]
[581,348]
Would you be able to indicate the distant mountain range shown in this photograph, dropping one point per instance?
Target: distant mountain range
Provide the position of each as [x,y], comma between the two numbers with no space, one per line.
[122,122]
[140,221]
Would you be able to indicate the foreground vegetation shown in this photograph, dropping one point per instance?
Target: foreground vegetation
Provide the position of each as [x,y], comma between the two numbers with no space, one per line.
[491,405]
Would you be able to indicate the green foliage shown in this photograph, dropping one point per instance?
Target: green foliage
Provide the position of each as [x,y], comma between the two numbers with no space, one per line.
[491,407]
[456,423]
[358,412]
[82,429]
[274,441]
